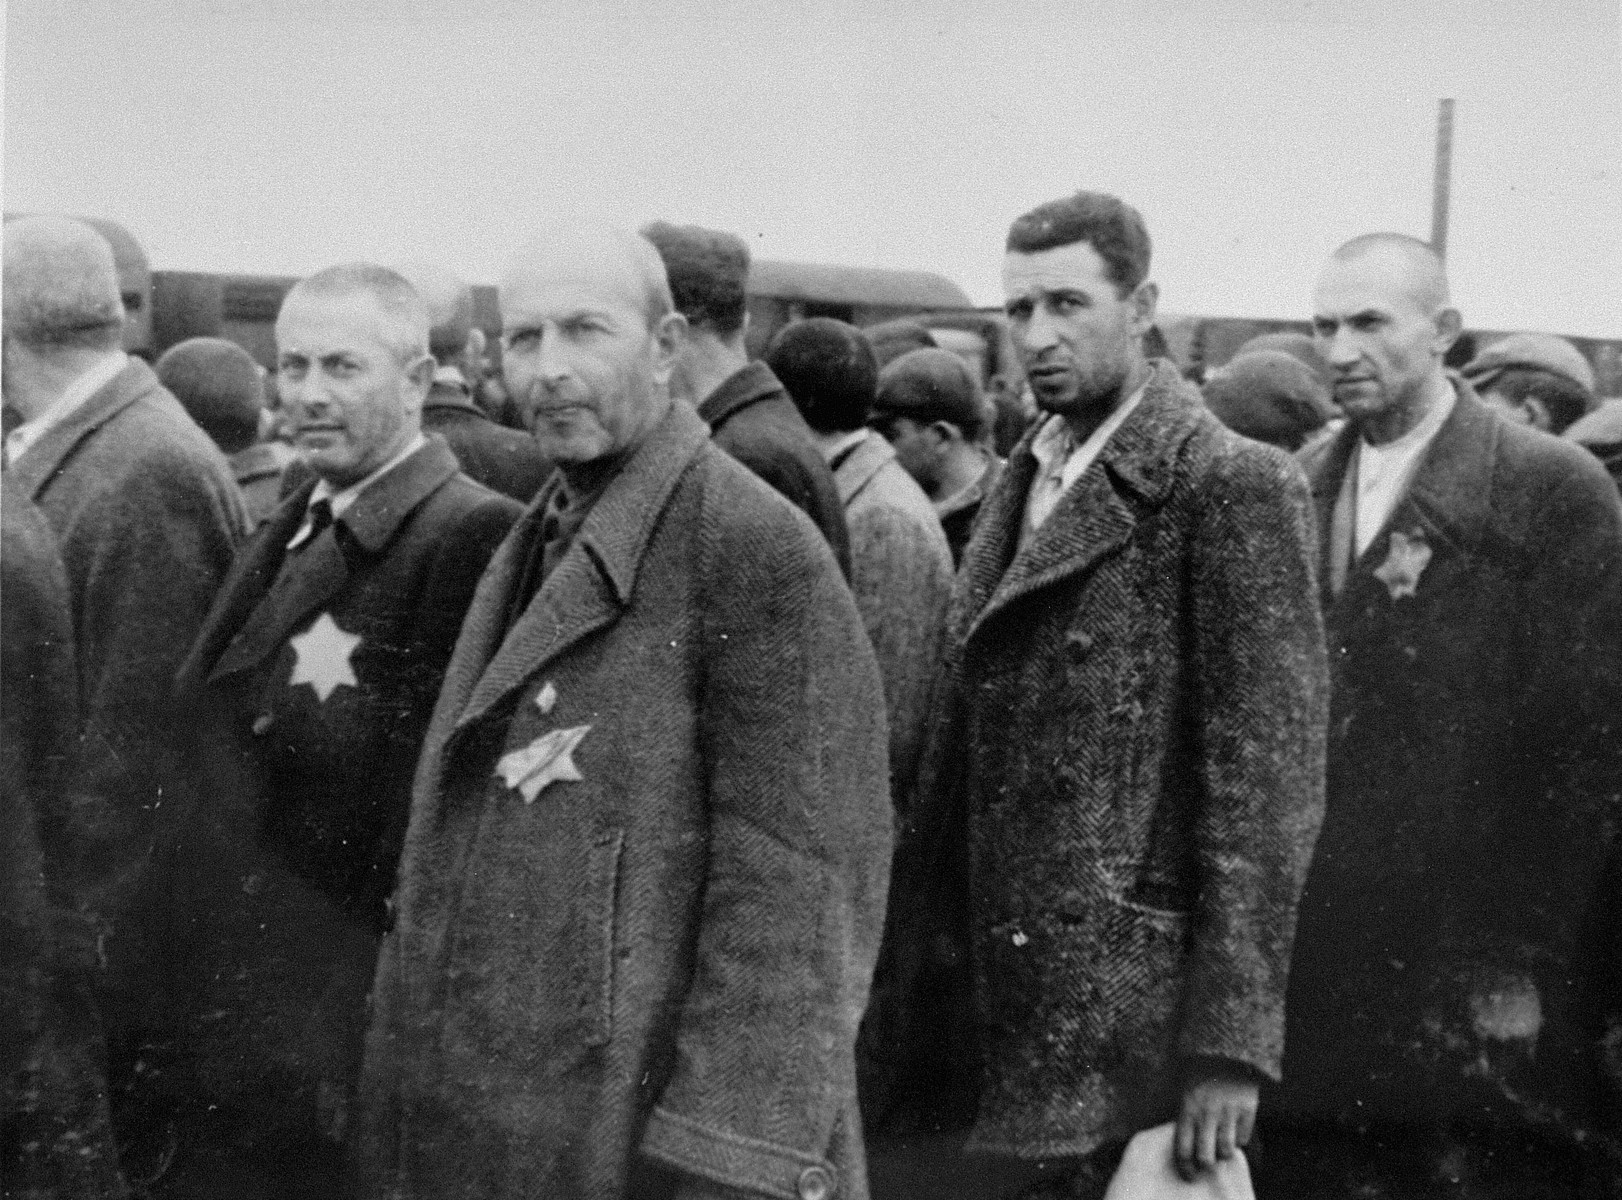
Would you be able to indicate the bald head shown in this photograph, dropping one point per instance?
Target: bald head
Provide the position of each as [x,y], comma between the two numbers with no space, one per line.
[61,286]
[598,257]
[1411,265]
[449,301]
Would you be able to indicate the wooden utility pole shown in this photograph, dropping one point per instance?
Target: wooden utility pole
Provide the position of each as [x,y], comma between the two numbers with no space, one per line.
[1444,172]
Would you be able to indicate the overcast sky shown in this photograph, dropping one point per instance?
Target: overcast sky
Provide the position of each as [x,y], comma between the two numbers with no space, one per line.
[284,135]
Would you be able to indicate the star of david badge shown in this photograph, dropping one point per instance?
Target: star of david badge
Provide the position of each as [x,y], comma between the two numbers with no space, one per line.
[1404,564]
[547,760]
[322,657]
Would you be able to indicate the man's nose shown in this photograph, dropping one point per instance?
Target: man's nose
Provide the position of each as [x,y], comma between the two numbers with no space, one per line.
[551,364]
[1339,349]
[1039,332]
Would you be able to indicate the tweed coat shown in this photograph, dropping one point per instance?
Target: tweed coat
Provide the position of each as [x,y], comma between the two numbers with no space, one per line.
[1473,753]
[901,574]
[147,518]
[1131,741]
[653,948]
[504,460]
[310,686]
[53,1091]
[752,418]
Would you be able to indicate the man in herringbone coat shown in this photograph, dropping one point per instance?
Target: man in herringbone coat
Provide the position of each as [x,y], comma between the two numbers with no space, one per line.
[1130,736]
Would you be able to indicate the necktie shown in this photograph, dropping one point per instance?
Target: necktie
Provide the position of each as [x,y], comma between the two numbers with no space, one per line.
[320,517]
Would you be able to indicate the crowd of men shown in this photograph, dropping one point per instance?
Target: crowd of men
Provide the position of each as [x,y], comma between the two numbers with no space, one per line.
[648,772]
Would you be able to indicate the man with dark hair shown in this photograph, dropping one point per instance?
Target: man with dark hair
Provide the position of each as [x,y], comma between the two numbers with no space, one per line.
[1471,576]
[1127,761]
[311,684]
[503,460]
[749,414]
[901,566]
[929,408]
[146,518]
[1534,379]
[644,876]
[221,388]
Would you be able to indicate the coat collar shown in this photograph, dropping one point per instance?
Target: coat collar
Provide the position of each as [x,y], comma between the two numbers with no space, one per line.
[591,584]
[1450,496]
[748,385]
[269,605]
[454,397]
[1133,473]
[40,464]
[863,461]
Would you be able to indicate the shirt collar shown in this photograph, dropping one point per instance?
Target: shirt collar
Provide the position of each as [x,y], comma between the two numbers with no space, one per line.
[1055,446]
[86,385]
[833,445]
[341,499]
[1417,437]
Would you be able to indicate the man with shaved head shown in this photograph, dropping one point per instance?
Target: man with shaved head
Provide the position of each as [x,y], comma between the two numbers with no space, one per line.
[1471,577]
[504,460]
[147,517]
[311,684]
[644,877]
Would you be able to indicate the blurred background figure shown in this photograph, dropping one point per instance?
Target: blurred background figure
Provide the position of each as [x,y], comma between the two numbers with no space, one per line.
[221,388]
[930,409]
[55,1134]
[1600,433]
[1534,379]
[1298,346]
[749,414]
[504,460]
[891,339]
[1270,396]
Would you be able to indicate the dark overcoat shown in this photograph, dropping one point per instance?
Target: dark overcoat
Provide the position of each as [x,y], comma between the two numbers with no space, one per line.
[147,518]
[752,418]
[1132,733]
[310,689]
[1474,741]
[645,873]
[505,460]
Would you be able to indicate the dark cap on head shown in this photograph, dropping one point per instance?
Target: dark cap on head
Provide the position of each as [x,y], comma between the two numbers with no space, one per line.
[1298,346]
[931,385]
[1113,228]
[829,372]
[708,271]
[217,382]
[1270,396]
[891,339]
[1540,351]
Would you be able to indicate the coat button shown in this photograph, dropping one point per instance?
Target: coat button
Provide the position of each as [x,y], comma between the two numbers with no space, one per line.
[815,1184]
[261,724]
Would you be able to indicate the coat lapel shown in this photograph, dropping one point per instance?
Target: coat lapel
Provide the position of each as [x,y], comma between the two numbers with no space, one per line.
[39,464]
[1325,467]
[321,568]
[1097,513]
[589,587]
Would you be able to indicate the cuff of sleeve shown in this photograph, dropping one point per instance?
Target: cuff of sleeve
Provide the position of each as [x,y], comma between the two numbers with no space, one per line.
[735,1161]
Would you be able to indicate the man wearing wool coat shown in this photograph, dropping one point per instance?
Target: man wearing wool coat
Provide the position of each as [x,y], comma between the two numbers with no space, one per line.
[645,872]
[311,685]
[1129,761]
[1472,585]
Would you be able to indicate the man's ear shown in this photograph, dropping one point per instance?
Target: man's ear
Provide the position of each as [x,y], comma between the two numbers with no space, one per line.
[1448,327]
[419,378]
[669,336]
[1144,299]
[944,432]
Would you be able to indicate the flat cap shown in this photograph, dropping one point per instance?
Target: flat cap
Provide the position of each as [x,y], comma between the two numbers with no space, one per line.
[1539,351]
[1271,396]
[931,385]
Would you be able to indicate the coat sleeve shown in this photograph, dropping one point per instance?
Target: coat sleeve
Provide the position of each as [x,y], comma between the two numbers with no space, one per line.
[158,547]
[1262,687]
[791,727]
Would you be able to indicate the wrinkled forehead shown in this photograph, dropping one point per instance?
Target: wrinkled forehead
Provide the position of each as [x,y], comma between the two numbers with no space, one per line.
[592,273]
[1076,267]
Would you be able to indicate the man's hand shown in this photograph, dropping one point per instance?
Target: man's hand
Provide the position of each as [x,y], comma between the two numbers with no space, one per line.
[1219,1115]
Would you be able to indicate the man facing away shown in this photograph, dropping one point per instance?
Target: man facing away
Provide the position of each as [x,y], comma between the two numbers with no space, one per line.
[146,517]
[1128,764]
[311,684]
[749,414]
[1472,581]
[644,877]
[929,408]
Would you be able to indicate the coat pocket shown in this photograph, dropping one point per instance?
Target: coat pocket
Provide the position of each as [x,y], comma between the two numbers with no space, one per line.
[599,908]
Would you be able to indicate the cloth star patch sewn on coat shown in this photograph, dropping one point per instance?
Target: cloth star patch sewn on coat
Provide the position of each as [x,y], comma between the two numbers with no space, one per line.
[1403,565]
[546,760]
[323,657]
